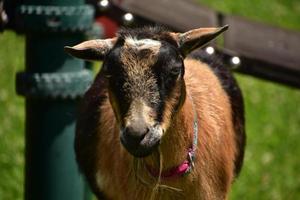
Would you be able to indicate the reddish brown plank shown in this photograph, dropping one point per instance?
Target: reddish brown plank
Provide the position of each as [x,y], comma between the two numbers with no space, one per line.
[263,42]
[178,14]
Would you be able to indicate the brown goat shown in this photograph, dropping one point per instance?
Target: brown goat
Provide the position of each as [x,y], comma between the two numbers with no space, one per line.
[156,123]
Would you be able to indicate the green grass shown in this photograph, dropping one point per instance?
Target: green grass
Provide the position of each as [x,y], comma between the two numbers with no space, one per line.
[281,13]
[11,118]
[272,164]
[271,168]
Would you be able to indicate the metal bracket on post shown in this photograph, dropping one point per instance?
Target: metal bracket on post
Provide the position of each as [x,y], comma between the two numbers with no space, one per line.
[70,85]
[57,18]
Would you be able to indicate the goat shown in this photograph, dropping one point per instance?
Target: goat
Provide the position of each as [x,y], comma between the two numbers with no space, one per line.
[158,123]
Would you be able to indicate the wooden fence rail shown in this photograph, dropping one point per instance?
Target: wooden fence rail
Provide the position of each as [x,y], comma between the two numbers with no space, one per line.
[265,51]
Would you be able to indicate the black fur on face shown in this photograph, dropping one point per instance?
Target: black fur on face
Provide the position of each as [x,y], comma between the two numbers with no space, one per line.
[144,71]
[165,72]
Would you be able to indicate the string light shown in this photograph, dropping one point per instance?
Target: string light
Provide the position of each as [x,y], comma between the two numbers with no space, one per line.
[104,3]
[235,60]
[210,50]
[128,17]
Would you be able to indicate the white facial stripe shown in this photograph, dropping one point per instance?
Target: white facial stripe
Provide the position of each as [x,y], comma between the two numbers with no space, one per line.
[139,111]
[99,179]
[143,43]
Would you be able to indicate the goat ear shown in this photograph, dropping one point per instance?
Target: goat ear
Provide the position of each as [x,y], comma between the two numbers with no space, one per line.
[91,49]
[196,38]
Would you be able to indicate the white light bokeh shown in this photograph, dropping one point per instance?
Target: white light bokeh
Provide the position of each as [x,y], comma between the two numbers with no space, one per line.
[235,60]
[104,3]
[210,50]
[128,17]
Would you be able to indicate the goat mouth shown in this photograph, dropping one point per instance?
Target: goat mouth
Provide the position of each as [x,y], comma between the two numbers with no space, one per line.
[145,146]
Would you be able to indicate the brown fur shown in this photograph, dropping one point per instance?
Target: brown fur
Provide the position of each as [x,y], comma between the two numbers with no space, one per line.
[110,168]
[136,62]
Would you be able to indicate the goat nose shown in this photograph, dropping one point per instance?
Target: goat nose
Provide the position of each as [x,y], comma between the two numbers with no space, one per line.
[135,134]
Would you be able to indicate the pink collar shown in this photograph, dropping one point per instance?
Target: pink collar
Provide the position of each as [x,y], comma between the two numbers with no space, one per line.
[177,171]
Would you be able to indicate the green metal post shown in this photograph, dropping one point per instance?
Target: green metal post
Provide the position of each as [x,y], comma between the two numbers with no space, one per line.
[52,84]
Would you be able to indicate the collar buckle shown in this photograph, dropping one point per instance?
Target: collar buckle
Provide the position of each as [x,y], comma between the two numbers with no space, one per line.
[191,158]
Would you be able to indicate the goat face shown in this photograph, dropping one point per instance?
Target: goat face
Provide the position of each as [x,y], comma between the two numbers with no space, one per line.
[145,79]
[143,75]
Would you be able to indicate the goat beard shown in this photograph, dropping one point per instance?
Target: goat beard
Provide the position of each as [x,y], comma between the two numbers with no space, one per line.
[142,175]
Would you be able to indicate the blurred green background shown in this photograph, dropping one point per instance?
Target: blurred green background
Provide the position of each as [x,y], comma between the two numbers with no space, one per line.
[272,164]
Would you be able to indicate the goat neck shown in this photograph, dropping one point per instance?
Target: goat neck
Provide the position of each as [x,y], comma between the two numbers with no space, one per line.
[175,145]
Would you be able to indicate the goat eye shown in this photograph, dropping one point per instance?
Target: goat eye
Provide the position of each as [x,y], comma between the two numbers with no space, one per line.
[175,71]
[106,73]
[108,76]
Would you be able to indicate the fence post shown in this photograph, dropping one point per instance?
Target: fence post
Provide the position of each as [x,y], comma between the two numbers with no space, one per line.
[52,84]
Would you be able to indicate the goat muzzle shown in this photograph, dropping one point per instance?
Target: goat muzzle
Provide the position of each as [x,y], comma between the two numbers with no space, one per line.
[140,141]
